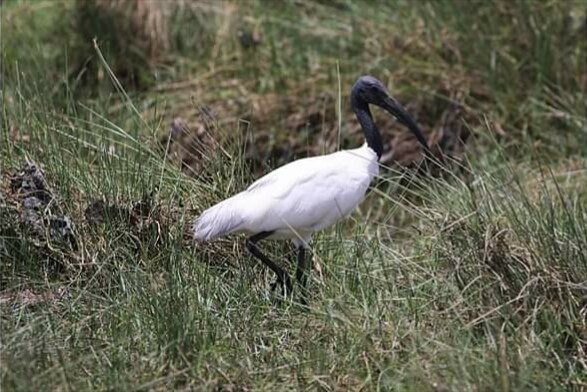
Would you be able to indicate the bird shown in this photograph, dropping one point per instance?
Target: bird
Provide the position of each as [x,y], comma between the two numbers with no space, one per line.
[308,195]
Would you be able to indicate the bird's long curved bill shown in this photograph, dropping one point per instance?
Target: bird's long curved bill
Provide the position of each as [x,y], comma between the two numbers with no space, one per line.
[397,110]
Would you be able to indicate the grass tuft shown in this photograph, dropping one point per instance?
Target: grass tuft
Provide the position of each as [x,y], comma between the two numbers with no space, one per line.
[472,279]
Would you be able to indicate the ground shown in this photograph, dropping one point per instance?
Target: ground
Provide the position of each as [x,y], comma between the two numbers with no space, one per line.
[122,121]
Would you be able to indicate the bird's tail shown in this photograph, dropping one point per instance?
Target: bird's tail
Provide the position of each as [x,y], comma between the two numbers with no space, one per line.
[218,220]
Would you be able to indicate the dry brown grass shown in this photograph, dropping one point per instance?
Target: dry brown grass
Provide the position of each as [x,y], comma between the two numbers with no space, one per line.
[134,34]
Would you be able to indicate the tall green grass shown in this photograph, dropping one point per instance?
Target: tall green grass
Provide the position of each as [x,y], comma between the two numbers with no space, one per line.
[474,280]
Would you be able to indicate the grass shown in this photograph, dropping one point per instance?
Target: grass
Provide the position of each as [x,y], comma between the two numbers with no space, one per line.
[473,280]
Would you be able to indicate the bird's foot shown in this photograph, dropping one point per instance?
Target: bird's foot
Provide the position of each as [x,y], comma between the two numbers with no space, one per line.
[304,295]
[285,283]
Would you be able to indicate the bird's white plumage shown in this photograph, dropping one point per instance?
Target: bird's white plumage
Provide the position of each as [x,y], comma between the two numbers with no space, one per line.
[296,199]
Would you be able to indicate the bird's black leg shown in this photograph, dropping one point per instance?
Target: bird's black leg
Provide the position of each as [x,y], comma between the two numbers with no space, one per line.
[302,272]
[282,276]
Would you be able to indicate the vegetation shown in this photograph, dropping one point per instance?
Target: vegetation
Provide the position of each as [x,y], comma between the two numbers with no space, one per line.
[472,279]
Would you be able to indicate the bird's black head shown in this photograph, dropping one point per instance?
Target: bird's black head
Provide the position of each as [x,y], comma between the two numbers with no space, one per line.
[369,90]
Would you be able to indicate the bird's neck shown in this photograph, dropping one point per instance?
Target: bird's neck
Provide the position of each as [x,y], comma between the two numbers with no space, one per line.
[372,135]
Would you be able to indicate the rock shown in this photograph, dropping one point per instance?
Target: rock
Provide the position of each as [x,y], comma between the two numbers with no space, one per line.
[31,182]
[61,227]
[36,202]
[31,203]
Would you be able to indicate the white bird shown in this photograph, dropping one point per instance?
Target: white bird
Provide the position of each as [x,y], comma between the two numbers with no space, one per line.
[307,195]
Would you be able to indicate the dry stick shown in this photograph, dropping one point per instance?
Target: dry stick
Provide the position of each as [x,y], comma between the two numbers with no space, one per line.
[520,295]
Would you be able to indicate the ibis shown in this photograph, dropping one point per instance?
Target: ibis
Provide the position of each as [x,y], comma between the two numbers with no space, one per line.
[307,195]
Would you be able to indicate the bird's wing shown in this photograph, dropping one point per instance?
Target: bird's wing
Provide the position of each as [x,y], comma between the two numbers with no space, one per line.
[305,194]
[286,176]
